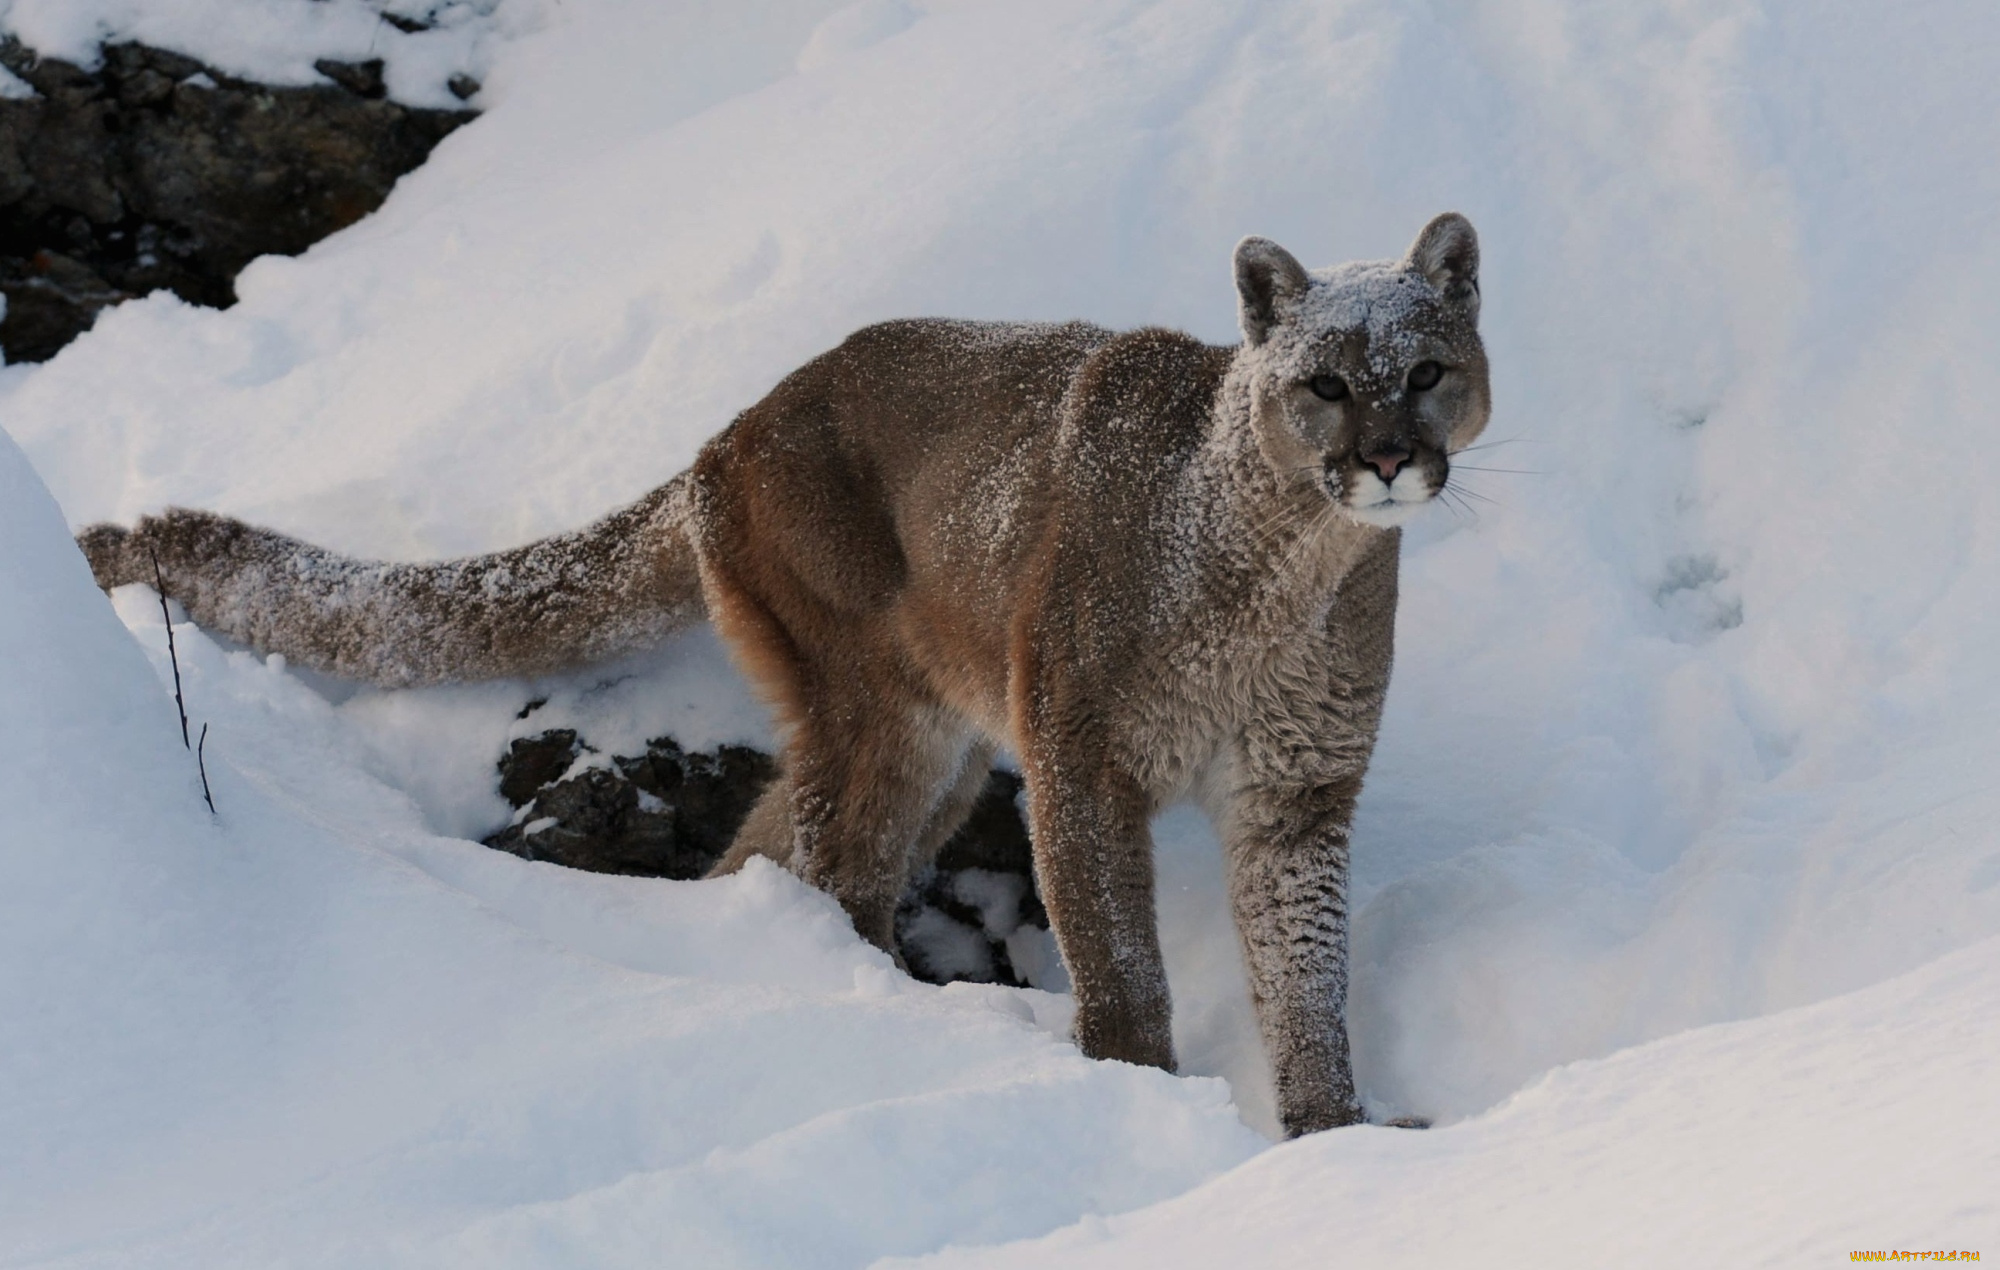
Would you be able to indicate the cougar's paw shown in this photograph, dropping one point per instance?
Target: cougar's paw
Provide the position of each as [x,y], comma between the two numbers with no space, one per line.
[109,548]
[1316,1115]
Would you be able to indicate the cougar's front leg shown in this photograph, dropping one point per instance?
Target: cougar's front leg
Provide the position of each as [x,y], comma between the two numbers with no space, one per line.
[1286,851]
[1297,773]
[1093,851]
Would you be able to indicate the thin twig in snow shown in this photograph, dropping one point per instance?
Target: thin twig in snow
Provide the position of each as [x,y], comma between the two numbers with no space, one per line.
[180,703]
[201,765]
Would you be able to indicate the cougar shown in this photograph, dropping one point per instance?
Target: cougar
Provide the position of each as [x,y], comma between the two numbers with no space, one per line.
[1152,569]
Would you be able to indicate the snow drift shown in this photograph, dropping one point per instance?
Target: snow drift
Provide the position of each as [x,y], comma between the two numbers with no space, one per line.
[1691,723]
[265,1037]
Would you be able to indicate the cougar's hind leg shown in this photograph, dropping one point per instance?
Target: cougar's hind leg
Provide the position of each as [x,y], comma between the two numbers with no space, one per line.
[867,776]
[765,652]
[766,831]
[869,753]
[953,808]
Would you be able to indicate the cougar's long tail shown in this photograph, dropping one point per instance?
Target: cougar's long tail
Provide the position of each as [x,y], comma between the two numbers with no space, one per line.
[621,585]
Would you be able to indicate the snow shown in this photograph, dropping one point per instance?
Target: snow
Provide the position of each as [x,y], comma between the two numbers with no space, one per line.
[277,41]
[1793,1140]
[305,1030]
[1677,888]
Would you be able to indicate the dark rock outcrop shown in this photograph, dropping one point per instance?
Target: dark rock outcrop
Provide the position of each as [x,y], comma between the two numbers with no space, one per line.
[155,171]
[665,813]
[671,813]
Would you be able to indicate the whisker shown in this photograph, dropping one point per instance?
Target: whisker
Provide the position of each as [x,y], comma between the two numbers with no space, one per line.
[1271,525]
[1319,522]
[1454,501]
[1275,544]
[1271,533]
[1509,471]
[1487,445]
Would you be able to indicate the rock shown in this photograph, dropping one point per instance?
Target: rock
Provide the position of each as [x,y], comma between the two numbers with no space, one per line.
[50,298]
[463,87]
[671,813]
[534,761]
[664,813]
[146,88]
[123,61]
[363,79]
[710,794]
[155,172]
[594,821]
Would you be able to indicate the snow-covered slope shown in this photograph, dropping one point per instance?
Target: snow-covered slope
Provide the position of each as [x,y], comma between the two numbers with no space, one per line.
[1692,723]
[1854,1125]
[265,1038]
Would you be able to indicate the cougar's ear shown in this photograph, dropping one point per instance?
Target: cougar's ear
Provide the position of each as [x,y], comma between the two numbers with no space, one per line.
[1268,280]
[1447,253]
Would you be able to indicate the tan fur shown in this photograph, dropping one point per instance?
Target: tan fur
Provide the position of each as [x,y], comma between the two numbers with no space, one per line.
[1152,568]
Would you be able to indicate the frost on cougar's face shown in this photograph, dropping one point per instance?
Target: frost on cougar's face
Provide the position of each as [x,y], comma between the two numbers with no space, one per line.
[1364,385]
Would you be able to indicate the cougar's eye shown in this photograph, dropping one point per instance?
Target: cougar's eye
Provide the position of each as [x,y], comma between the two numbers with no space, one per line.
[1425,375]
[1329,387]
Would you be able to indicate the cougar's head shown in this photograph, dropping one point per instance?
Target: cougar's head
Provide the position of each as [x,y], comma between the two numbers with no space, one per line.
[1365,378]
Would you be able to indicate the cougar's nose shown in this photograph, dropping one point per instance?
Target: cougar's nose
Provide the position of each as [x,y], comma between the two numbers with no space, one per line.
[1388,461]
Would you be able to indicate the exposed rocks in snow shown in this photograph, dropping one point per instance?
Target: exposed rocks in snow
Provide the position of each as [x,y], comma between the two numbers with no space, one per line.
[155,171]
[363,79]
[964,917]
[664,813]
[671,813]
